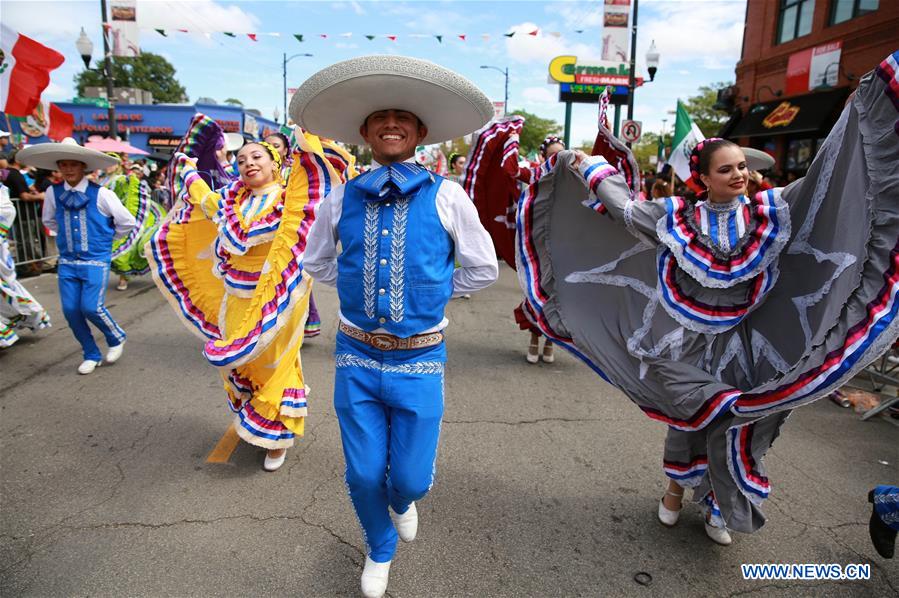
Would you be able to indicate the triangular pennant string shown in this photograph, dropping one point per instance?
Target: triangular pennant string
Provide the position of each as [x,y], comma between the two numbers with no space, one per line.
[391,38]
[323,35]
[370,37]
[509,34]
[439,39]
[229,34]
[534,32]
[252,36]
[462,37]
[299,37]
[161,32]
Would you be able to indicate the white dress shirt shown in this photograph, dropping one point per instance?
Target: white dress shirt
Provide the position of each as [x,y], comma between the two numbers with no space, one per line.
[474,251]
[107,202]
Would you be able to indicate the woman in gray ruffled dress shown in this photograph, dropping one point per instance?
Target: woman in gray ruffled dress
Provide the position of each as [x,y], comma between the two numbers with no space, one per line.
[719,317]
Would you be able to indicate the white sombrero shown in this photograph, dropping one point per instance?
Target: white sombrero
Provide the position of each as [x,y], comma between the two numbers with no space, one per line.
[46,155]
[335,101]
[757,159]
[233,141]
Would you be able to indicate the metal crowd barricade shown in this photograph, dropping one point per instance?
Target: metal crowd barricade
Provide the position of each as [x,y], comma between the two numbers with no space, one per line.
[28,243]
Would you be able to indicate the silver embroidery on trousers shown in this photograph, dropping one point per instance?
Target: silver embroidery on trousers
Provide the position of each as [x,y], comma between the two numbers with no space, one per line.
[348,360]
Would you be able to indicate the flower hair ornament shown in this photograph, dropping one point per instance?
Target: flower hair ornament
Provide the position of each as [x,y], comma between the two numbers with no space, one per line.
[694,161]
[548,142]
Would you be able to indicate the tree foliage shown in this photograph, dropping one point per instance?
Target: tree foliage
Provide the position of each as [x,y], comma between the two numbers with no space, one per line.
[150,72]
[701,111]
[535,130]
[233,102]
[646,146]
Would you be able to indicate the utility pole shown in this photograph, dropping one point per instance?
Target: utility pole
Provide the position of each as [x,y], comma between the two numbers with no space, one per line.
[107,66]
[632,79]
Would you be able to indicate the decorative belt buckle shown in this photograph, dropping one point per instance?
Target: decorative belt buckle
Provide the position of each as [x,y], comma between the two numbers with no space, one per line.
[384,342]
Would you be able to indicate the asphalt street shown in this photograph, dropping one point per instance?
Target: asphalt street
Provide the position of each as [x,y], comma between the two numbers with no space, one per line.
[547,479]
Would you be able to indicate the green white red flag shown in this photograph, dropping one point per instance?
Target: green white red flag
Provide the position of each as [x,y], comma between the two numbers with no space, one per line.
[686,136]
[25,67]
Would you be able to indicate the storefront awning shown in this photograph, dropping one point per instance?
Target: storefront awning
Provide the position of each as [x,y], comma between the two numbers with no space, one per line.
[810,113]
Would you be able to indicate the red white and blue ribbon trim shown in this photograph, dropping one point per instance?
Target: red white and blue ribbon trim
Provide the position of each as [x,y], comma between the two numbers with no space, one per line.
[743,465]
[686,474]
[699,260]
[700,316]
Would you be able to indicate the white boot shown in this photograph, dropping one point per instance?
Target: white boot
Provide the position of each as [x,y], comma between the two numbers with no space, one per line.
[406,524]
[114,353]
[374,578]
[88,366]
[718,535]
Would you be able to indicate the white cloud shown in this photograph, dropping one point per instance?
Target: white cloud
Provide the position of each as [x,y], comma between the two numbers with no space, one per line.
[196,15]
[356,7]
[540,48]
[709,34]
[577,15]
[540,95]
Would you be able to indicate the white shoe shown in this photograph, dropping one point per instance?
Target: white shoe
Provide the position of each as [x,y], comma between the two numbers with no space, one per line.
[274,463]
[718,535]
[667,516]
[547,354]
[114,353]
[374,578]
[533,356]
[87,366]
[406,524]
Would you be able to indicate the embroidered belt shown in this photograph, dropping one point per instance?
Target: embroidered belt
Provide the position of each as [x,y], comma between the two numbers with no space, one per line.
[389,342]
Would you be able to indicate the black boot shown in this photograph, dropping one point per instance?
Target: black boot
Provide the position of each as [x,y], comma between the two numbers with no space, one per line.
[882,536]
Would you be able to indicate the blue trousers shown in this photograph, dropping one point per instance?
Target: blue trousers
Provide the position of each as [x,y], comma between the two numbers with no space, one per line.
[389,405]
[82,290]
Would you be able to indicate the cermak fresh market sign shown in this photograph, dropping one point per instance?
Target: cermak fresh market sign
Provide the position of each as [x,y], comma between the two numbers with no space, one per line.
[565,69]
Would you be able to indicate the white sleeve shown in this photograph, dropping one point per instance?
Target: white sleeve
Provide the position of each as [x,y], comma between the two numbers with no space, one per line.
[475,253]
[48,212]
[109,205]
[320,259]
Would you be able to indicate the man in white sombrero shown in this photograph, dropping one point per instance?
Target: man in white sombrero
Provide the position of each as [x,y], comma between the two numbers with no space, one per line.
[401,229]
[86,218]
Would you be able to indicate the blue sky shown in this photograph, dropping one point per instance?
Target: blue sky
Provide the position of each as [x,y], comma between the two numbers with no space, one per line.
[699,42]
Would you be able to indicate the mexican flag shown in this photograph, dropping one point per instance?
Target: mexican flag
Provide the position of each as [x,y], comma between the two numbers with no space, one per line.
[686,136]
[47,119]
[660,158]
[25,67]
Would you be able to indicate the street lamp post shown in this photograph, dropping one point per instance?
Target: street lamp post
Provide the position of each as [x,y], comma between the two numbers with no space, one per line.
[505,73]
[652,64]
[85,48]
[284,72]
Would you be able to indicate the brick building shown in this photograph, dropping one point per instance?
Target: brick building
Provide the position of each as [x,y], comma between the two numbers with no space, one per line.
[800,61]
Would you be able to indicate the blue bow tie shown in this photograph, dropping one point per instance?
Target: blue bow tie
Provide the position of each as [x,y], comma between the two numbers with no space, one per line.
[402,178]
[73,199]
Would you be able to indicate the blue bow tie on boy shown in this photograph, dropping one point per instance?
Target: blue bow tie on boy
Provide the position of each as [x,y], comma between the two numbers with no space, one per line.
[401,178]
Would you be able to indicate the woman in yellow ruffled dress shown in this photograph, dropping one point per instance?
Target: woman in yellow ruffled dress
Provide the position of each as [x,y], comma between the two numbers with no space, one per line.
[230,262]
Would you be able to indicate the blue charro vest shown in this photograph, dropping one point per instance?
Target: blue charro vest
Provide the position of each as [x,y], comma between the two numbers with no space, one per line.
[396,268]
[84,233]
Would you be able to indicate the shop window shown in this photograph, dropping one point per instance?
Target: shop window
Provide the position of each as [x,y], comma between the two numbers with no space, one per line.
[843,10]
[799,154]
[795,19]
